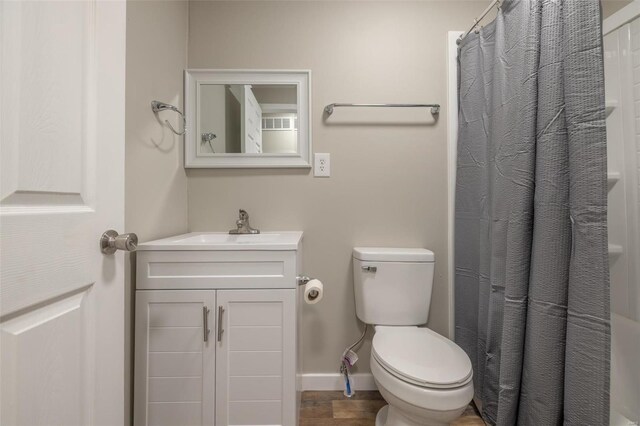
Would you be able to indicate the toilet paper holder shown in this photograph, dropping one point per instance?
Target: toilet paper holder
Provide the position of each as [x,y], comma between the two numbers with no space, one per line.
[303,279]
[312,292]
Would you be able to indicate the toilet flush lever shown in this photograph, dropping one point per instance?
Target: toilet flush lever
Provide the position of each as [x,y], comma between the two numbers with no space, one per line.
[370,268]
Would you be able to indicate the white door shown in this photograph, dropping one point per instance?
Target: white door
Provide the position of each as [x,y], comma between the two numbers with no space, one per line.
[62,184]
[250,119]
[252,123]
[255,358]
[175,357]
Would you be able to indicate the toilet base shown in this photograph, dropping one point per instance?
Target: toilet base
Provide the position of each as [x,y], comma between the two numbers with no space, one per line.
[381,417]
[389,416]
[411,405]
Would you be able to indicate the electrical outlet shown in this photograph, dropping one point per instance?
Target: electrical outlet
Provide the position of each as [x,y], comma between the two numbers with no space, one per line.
[322,164]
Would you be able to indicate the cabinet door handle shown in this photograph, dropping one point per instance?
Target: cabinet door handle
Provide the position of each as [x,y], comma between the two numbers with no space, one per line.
[205,323]
[220,329]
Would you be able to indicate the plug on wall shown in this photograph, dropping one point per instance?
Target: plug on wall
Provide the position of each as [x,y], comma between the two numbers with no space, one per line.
[321,164]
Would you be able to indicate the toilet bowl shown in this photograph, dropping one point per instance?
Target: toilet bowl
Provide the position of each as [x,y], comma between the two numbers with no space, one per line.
[425,378]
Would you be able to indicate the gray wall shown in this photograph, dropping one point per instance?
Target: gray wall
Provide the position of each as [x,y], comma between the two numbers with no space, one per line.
[213,103]
[388,185]
[155,180]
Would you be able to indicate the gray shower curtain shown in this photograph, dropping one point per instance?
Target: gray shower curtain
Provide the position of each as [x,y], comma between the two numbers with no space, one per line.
[531,263]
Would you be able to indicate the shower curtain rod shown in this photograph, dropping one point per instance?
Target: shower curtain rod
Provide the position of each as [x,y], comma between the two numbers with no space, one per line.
[479,18]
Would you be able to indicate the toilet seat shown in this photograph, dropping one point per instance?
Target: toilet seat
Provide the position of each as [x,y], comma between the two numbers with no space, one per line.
[424,404]
[421,357]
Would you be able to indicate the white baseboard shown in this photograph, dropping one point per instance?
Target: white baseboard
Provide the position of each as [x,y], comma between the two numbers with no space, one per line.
[334,382]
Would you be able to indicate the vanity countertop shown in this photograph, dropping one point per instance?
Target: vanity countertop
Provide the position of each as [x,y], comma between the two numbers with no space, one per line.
[289,240]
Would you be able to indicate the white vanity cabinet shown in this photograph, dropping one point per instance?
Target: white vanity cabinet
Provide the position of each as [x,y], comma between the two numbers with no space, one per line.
[255,382]
[175,364]
[216,332]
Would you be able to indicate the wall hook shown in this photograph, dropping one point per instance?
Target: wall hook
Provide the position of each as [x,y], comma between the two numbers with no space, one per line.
[157,106]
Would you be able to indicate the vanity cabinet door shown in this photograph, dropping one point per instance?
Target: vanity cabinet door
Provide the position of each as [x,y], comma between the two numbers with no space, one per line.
[175,357]
[255,357]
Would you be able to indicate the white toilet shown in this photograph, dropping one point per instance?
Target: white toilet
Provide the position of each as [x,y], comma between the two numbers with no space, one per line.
[425,377]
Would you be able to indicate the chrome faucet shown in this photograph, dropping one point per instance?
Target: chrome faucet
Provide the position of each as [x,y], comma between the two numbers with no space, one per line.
[242,224]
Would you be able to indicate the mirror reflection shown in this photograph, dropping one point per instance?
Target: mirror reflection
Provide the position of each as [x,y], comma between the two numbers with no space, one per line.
[247,118]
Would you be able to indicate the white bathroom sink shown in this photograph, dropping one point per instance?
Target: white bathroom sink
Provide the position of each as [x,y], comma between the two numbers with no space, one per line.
[214,238]
[226,241]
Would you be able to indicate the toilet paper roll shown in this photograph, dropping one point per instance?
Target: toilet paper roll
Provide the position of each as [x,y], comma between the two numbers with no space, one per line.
[313,291]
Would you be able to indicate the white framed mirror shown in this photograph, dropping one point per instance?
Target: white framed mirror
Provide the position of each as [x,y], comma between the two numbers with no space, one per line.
[247,118]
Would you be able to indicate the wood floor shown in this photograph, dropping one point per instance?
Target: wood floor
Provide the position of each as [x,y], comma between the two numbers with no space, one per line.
[334,409]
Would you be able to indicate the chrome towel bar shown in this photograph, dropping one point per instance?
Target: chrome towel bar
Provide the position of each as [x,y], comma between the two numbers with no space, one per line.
[435,108]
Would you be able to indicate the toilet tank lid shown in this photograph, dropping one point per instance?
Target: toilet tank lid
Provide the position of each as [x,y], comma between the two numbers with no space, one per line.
[387,254]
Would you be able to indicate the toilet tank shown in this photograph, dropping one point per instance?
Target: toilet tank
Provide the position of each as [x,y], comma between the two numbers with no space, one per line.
[393,285]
